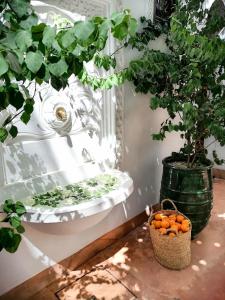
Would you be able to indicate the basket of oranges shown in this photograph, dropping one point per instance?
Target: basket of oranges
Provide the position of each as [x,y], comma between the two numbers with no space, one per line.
[170,233]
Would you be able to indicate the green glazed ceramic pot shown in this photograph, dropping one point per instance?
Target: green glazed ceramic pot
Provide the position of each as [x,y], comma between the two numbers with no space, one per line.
[191,191]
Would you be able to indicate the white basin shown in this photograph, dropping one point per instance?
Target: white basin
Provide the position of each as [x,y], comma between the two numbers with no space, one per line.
[84,210]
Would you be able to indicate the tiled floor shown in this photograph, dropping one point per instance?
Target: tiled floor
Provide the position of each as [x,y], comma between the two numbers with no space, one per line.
[128,270]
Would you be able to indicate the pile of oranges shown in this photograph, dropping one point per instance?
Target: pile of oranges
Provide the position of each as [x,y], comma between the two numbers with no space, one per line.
[170,224]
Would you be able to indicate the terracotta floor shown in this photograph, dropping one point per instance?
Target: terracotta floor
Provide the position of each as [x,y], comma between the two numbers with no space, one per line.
[128,270]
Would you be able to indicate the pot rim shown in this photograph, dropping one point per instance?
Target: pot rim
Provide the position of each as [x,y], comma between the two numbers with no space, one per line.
[170,159]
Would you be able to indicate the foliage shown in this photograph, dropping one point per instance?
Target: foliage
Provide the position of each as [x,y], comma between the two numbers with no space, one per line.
[75,193]
[10,236]
[189,79]
[32,51]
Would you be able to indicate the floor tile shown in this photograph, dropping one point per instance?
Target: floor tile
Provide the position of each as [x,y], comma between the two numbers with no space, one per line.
[96,285]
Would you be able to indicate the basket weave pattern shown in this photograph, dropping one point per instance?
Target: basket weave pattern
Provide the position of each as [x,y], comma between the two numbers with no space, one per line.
[173,253]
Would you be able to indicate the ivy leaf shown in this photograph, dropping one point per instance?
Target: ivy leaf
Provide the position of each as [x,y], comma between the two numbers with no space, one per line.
[25,117]
[29,106]
[13,131]
[37,31]
[20,7]
[120,31]
[3,134]
[20,208]
[29,22]
[20,229]
[15,97]
[13,62]
[133,26]
[15,221]
[34,61]
[23,40]
[9,240]
[103,34]
[49,34]
[59,68]
[68,38]
[9,40]
[3,65]
[83,30]
[8,206]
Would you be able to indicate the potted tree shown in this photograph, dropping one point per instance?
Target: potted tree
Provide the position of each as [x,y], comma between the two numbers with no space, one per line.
[188,81]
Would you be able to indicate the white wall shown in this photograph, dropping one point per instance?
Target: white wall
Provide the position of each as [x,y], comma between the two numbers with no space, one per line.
[41,247]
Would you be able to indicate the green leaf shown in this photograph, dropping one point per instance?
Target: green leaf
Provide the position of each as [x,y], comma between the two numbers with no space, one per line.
[9,206]
[3,134]
[29,22]
[20,7]
[13,131]
[15,221]
[120,31]
[9,40]
[15,97]
[9,240]
[20,208]
[13,62]
[37,31]
[55,45]
[68,38]
[83,30]
[49,34]
[3,65]
[132,26]
[20,229]
[34,61]
[23,40]
[25,117]
[59,68]
[29,106]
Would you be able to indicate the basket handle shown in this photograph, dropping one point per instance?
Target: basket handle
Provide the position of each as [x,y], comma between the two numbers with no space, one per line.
[168,200]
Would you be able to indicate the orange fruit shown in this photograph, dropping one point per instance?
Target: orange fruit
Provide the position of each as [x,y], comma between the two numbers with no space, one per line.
[163,230]
[172,234]
[165,224]
[178,225]
[174,227]
[153,226]
[173,217]
[186,222]
[157,224]
[184,227]
[180,218]
[172,222]
[158,217]
[165,218]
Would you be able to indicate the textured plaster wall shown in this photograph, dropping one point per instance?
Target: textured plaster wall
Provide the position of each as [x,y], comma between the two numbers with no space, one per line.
[43,246]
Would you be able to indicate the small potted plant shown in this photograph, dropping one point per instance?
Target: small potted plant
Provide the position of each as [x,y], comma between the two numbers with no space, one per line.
[188,81]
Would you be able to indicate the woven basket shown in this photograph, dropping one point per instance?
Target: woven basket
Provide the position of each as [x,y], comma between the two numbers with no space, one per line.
[173,253]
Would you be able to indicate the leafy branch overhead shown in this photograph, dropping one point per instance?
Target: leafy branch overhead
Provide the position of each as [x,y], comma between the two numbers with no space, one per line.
[33,51]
